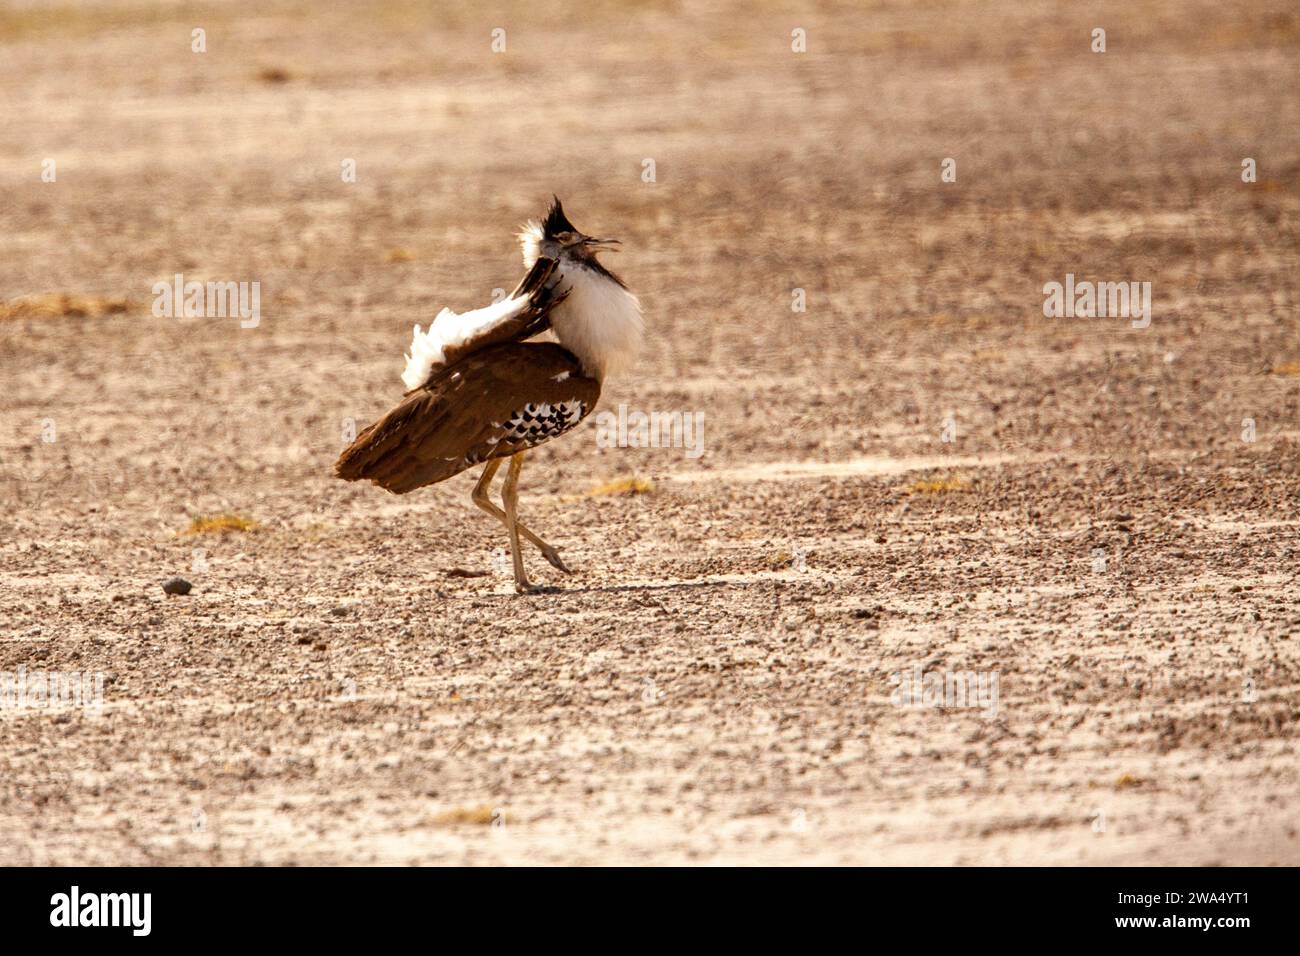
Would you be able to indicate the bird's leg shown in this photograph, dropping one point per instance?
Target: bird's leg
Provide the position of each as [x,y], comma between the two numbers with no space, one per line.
[480,492]
[510,498]
[480,496]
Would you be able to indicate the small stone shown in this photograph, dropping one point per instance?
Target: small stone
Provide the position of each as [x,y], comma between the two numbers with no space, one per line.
[177,586]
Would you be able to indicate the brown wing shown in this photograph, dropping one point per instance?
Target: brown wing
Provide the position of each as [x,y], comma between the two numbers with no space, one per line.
[495,402]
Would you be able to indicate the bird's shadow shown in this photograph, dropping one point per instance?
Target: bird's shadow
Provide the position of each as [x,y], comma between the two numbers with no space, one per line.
[557,590]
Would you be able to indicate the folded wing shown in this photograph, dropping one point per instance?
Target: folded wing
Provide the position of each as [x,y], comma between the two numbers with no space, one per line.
[490,404]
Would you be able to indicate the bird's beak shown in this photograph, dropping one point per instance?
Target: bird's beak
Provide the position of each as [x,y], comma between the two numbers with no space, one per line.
[601,243]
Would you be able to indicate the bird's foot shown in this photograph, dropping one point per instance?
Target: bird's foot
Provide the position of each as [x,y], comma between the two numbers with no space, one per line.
[528,587]
[553,556]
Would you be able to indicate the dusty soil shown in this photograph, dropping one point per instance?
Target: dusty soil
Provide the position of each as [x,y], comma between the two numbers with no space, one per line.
[920,470]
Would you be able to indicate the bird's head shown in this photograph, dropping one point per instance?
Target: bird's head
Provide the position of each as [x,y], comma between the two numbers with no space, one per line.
[557,238]
[600,320]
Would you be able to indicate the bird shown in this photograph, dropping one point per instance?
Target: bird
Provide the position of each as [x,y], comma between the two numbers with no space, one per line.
[482,388]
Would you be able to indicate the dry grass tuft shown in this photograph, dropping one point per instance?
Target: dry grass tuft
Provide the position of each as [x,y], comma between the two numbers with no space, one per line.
[937,486]
[479,816]
[785,561]
[59,305]
[401,255]
[1286,368]
[220,524]
[623,486]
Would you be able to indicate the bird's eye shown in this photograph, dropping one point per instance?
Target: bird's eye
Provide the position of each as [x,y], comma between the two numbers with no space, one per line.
[565,237]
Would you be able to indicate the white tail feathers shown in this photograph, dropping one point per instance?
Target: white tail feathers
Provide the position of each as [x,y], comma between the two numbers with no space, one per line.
[449,329]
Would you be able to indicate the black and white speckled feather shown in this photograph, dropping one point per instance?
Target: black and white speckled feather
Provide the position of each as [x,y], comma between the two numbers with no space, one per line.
[536,423]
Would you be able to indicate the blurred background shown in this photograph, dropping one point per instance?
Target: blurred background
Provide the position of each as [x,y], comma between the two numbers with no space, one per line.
[772,170]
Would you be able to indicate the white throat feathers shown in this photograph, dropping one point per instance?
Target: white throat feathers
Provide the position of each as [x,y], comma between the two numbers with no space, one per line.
[600,321]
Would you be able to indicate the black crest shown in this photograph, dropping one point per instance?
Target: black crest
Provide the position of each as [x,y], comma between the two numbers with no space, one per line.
[556,221]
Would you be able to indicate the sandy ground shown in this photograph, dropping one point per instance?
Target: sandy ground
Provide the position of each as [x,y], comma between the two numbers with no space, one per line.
[918,471]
